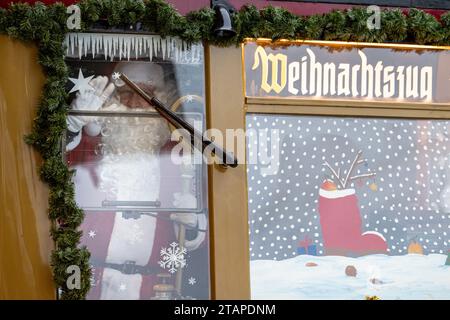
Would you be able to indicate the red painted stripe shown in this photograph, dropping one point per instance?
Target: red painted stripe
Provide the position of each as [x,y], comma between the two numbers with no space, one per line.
[299,8]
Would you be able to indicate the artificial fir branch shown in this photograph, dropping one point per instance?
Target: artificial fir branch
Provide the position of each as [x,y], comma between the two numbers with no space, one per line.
[361,176]
[352,167]
[335,174]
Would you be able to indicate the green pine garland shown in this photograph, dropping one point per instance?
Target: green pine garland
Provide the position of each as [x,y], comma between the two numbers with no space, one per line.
[46,26]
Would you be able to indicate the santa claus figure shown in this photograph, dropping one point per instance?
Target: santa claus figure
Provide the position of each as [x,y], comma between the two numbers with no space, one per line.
[119,162]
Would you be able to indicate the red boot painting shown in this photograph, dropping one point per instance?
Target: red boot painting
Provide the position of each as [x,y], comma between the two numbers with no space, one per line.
[340,216]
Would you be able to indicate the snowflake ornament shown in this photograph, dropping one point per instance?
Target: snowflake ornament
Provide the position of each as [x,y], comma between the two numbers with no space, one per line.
[116,76]
[173,258]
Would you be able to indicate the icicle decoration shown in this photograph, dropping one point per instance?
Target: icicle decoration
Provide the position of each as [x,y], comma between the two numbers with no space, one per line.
[132,46]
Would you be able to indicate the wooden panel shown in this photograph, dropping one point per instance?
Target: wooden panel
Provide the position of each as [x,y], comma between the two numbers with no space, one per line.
[228,189]
[350,104]
[438,4]
[25,244]
[430,4]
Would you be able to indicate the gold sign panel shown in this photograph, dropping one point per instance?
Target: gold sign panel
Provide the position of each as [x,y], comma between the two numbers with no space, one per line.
[348,71]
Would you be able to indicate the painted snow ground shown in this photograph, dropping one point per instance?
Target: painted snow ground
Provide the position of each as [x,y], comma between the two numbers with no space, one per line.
[409,276]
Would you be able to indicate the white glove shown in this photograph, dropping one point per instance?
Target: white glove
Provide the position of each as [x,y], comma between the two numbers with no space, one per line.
[190,219]
[89,100]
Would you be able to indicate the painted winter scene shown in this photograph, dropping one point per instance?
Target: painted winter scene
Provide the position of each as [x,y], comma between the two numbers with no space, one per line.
[349,208]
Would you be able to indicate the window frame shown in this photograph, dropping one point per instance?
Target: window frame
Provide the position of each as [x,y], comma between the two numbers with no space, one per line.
[201,173]
[227,107]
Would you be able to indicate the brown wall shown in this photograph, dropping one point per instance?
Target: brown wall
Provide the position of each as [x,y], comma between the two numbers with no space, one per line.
[25,244]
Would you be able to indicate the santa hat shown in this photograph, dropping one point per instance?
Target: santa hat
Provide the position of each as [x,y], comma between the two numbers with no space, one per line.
[141,72]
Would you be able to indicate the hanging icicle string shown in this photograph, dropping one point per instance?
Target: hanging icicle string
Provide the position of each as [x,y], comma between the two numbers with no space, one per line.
[130,46]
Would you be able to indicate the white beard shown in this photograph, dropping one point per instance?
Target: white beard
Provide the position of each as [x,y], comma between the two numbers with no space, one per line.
[128,171]
[129,177]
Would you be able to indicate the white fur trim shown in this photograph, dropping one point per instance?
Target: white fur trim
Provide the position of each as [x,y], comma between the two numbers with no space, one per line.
[119,286]
[201,235]
[188,200]
[334,194]
[74,143]
[131,177]
[92,129]
[375,233]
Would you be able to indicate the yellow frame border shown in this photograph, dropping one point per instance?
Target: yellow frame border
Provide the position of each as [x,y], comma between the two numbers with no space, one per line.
[227,107]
